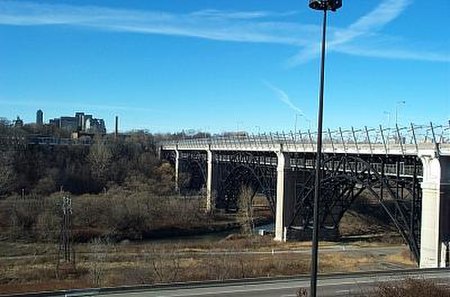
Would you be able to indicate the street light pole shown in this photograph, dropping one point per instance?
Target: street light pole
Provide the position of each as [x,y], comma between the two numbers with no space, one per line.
[324,5]
[388,117]
[396,110]
[315,235]
[295,125]
[296,121]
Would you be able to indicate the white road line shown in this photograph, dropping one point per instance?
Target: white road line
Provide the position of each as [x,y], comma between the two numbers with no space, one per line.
[222,290]
[271,286]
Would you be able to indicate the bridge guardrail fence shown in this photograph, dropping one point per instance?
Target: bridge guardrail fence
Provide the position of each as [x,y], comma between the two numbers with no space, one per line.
[405,140]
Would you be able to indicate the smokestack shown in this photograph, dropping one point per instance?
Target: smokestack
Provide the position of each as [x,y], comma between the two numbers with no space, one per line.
[116,131]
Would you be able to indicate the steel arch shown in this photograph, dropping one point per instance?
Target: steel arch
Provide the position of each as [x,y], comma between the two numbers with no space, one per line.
[193,164]
[244,169]
[344,178]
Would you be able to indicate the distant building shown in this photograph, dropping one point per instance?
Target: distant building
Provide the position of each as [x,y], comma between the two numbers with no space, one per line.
[68,123]
[55,122]
[95,126]
[81,122]
[18,122]
[39,118]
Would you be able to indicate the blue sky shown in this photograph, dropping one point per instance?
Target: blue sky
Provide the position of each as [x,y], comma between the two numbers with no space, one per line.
[223,65]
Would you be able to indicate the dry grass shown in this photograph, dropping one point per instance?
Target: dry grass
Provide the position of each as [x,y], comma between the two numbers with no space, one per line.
[146,263]
[336,262]
[405,258]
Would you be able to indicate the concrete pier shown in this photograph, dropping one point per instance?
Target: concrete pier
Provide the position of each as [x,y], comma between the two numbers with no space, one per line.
[210,199]
[285,200]
[177,170]
[435,225]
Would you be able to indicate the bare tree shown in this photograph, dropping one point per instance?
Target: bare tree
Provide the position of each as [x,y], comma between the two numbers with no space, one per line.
[245,214]
[99,159]
[7,174]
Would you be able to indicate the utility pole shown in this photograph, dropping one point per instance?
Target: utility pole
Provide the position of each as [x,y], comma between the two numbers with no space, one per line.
[66,252]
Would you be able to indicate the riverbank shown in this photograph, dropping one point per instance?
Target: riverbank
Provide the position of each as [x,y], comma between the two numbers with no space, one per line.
[117,215]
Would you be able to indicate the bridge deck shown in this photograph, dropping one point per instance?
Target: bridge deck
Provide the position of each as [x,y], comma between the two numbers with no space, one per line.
[245,145]
[383,141]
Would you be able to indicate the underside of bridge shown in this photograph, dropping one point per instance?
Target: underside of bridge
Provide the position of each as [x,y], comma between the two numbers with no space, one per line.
[287,182]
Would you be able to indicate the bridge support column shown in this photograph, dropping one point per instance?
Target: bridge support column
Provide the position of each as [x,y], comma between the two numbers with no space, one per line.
[285,196]
[435,222]
[177,170]
[159,153]
[210,184]
[445,211]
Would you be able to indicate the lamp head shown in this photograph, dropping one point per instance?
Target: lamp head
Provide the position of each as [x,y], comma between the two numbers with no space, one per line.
[332,5]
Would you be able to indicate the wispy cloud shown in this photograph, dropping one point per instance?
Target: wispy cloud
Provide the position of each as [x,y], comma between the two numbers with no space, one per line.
[283,97]
[213,13]
[393,53]
[251,26]
[234,26]
[348,40]
[386,12]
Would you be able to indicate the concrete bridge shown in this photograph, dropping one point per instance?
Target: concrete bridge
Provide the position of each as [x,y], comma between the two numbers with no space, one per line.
[407,170]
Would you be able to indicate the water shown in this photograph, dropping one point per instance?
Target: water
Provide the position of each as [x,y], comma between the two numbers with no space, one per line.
[208,237]
[268,228]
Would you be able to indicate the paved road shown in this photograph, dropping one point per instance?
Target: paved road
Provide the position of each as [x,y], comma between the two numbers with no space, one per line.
[331,285]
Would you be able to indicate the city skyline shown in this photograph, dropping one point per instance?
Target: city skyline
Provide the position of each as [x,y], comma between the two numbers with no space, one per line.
[80,122]
[216,66]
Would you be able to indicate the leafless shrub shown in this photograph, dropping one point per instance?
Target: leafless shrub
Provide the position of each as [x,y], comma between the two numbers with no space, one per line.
[119,213]
[47,226]
[23,214]
[131,216]
[302,292]
[410,288]
[165,265]
[219,266]
[97,263]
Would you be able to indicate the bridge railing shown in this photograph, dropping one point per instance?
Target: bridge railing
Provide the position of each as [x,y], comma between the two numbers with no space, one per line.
[403,140]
